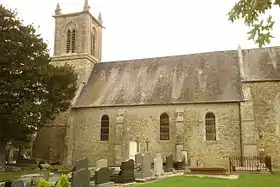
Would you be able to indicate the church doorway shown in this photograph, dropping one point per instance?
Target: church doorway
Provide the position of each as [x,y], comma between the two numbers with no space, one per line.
[132,149]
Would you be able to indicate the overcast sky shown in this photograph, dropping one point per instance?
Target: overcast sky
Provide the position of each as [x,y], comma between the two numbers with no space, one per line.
[149,28]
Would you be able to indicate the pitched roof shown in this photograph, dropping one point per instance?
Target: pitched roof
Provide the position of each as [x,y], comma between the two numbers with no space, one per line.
[261,64]
[194,78]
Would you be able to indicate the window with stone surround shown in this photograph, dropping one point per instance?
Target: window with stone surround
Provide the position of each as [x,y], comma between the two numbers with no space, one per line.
[73,44]
[71,41]
[104,130]
[93,41]
[210,126]
[164,126]
[68,42]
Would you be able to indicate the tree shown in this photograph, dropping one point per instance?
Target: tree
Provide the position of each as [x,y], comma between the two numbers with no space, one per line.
[251,11]
[32,91]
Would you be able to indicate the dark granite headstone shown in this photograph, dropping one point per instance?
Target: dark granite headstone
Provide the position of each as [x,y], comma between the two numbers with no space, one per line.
[27,161]
[169,163]
[8,184]
[126,174]
[80,164]
[179,165]
[81,174]
[102,175]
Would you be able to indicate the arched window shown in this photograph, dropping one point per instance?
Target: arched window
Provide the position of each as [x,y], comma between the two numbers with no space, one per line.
[164,127]
[71,41]
[93,40]
[73,45]
[68,41]
[104,131]
[210,126]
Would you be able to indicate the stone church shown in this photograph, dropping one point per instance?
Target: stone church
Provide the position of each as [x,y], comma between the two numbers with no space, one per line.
[208,105]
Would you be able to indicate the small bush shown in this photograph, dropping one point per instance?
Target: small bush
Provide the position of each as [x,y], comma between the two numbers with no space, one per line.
[51,169]
[43,183]
[63,181]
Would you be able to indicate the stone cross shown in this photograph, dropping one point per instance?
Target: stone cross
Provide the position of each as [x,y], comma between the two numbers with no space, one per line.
[138,144]
[147,144]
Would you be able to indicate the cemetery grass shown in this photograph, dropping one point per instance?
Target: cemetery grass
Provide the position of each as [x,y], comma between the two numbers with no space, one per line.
[245,180]
[7,176]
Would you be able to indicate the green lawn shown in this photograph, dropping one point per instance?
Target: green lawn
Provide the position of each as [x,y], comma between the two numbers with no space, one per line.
[6,176]
[245,180]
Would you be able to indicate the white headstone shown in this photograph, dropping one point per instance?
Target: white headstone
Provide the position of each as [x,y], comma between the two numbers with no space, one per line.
[158,165]
[132,149]
[102,163]
[179,155]
[185,157]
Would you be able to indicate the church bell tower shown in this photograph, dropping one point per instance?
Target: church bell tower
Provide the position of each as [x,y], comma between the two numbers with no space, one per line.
[78,40]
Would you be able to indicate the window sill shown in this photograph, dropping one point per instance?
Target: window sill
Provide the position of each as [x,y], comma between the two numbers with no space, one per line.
[107,141]
[211,141]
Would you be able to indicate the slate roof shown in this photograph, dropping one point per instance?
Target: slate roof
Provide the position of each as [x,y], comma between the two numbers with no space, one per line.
[261,64]
[194,78]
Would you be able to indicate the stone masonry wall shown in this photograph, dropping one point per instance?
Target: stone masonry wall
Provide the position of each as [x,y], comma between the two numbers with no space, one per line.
[266,107]
[80,22]
[49,143]
[248,125]
[84,25]
[143,122]
[82,66]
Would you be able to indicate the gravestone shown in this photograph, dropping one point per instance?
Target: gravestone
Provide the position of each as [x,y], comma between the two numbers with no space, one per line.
[11,169]
[15,183]
[10,154]
[126,173]
[102,163]
[158,165]
[132,149]
[138,159]
[29,161]
[8,184]
[145,167]
[102,177]
[18,183]
[81,174]
[80,164]
[169,163]
[180,164]
[185,155]
[31,179]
